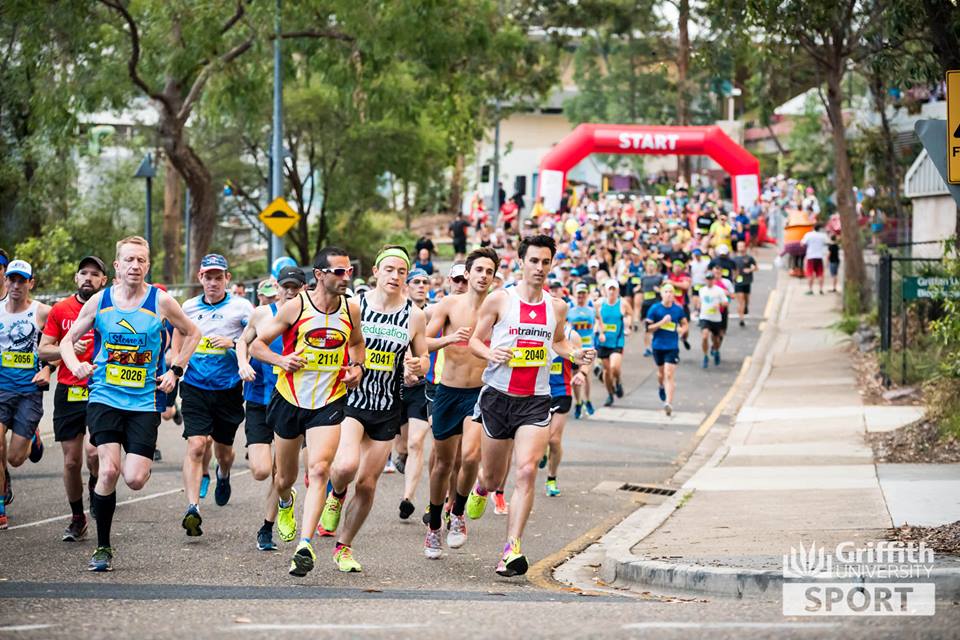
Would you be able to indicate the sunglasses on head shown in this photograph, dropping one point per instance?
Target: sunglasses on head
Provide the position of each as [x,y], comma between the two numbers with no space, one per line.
[339,271]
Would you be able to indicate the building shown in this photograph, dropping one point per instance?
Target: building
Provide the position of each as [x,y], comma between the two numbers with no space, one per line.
[934,209]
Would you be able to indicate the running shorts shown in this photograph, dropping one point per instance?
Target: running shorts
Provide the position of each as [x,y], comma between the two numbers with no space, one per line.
[503,414]
[414,403]
[451,406]
[605,352]
[666,356]
[561,404]
[21,412]
[289,421]
[255,426]
[211,413]
[135,431]
[381,426]
[714,326]
[69,412]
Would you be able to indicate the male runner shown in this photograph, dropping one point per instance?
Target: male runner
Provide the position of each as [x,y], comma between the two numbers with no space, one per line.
[612,332]
[712,300]
[650,283]
[23,377]
[525,330]
[562,382]
[211,393]
[4,261]
[455,399]
[391,327]
[318,329]
[582,317]
[746,265]
[70,398]
[260,381]
[129,378]
[414,395]
[667,322]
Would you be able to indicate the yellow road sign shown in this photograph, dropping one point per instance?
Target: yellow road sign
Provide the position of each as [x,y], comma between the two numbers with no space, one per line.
[953,127]
[279,217]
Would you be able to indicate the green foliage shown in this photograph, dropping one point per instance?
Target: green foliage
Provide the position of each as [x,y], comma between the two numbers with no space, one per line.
[363,235]
[847,324]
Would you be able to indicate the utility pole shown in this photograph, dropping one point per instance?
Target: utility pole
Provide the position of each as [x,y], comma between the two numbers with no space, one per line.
[186,233]
[495,200]
[276,169]
[146,171]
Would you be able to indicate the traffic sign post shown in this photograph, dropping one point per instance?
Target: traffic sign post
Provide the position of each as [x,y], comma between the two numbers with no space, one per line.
[953,127]
[279,217]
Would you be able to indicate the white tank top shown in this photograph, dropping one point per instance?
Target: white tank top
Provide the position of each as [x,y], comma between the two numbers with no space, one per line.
[527,329]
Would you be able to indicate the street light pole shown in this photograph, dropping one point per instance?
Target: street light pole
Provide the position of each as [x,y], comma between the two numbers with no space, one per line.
[495,200]
[276,173]
[186,227]
[146,170]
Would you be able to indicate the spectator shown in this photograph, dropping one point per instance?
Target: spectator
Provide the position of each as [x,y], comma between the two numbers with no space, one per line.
[458,232]
[423,261]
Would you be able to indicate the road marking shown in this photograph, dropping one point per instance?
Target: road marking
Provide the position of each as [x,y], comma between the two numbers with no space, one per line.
[731,625]
[717,410]
[321,627]
[27,627]
[647,416]
[770,301]
[119,504]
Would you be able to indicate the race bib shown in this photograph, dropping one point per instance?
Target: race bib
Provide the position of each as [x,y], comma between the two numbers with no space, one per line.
[739,279]
[635,280]
[528,357]
[556,368]
[586,341]
[725,272]
[710,311]
[610,328]
[669,326]
[206,347]
[323,360]
[649,295]
[19,359]
[78,394]
[380,360]
[122,376]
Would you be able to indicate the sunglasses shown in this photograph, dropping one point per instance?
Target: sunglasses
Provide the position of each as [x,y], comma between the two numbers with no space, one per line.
[459,279]
[339,271]
[419,281]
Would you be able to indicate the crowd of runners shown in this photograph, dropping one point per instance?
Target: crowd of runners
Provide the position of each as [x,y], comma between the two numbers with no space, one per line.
[340,378]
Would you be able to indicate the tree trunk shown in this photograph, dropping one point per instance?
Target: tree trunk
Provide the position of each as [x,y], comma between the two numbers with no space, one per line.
[456,184]
[892,178]
[172,214]
[406,203]
[856,294]
[683,64]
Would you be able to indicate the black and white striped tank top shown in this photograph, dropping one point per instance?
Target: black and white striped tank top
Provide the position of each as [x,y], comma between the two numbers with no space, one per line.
[386,337]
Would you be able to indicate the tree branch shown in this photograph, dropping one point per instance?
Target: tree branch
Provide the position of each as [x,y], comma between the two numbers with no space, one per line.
[201,80]
[235,19]
[327,34]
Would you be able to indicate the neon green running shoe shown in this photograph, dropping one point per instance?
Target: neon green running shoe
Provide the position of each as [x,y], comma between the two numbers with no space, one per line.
[512,563]
[343,556]
[286,522]
[330,517]
[303,560]
[552,489]
[476,504]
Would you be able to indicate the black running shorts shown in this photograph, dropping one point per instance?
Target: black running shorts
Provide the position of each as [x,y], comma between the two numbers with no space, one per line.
[415,402]
[255,426]
[504,414]
[135,431]
[561,404]
[69,413]
[381,426]
[289,421]
[211,413]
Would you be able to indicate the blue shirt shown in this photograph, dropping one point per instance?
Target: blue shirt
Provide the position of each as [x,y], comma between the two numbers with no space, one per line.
[582,321]
[667,337]
[215,368]
[128,355]
[612,317]
[261,388]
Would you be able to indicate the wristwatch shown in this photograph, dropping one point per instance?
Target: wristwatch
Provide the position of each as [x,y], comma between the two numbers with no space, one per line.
[177,370]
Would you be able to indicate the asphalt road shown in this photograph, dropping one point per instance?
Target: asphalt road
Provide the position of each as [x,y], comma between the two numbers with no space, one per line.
[166,584]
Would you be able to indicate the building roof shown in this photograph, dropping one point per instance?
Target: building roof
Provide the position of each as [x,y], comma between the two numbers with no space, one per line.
[923,180]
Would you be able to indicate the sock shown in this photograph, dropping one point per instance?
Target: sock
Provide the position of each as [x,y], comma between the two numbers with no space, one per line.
[436,516]
[340,495]
[339,546]
[92,482]
[480,491]
[220,476]
[76,507]
[285,504]
[459,504]
[549,478]
[2,507]
[267,526]
[106,505]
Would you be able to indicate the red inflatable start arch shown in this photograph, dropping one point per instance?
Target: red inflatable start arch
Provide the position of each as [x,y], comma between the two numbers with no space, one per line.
[743,167]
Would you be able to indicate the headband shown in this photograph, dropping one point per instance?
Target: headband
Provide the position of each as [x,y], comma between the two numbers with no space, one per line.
[4,261]
[393,252]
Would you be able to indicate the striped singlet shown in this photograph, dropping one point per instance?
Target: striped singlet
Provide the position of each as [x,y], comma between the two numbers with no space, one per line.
[323,337]
[386,337]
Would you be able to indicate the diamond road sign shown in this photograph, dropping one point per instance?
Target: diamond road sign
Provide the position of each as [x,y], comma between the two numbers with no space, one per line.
[279,217]
[953,127]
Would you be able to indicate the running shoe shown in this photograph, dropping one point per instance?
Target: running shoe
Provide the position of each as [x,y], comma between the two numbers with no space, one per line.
[618,390]
[389,467]
[426,516]
[742,323]
[8,495]
[716,358]
[303,560]
[663,394]
[192,521]
[706,362]
[343,556]
[401,463]
[598,371]
[204,485]
[406,509]
[36,447]
[686,344]
[76,530]
[552,489]
[323,533]
[177,416]
[157,455]
[221,494]
[667,409]
[286,523]
[590,409]
[102,560]
[543,460]
[3,521]
[578,410]
[431,545]
[265,540]
[500,506]
[476,504]
[512,563]
[330,518]
[647,353]
[457,535]
[608,402]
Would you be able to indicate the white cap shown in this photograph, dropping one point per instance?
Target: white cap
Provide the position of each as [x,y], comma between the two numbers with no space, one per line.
[593,262]
[21,268]
[611,284]
[723,250]
[458,270]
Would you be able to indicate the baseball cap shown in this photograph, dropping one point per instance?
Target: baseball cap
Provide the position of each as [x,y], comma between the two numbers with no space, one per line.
[213,261]
[498,276]
[709,275]
[416,273]
[290,275]
[95,261]
[556,284]
[723,250]
[592,262]
[697,252]
[20,268]
[581,288]
[458,270]
[566,266]
[267,288]
[611,284]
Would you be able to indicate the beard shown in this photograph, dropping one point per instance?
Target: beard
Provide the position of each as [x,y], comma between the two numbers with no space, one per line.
[85,294]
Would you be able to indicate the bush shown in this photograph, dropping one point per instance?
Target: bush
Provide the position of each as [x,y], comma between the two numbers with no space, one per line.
[363,234]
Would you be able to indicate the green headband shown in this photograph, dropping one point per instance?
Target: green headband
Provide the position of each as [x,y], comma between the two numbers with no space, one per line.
[393,252]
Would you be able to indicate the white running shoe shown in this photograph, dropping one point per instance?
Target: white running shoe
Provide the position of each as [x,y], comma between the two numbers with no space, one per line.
[431,546]
[457,535]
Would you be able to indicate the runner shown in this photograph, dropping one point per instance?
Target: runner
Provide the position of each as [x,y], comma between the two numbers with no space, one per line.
[259,382]
[650,283]
[455,399]
[712,299]
[23,377]
[746,265]
[668,323]
[70,398]
[612,332]
[582,317]
[4,261]
[211,392]
[699,266]
[392,327]
[129,378]
[525,329]
[318,329]
[562,382]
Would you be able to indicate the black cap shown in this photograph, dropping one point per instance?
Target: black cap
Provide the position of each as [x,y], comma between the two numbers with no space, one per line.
[291,274]
[95,261]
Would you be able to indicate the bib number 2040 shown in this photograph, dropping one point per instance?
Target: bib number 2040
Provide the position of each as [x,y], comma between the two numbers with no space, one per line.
[529,357]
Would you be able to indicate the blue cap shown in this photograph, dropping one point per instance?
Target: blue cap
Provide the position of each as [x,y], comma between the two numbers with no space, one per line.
[416,273]
[213,261]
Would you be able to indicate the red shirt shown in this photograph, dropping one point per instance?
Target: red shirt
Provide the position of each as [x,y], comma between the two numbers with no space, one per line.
[61,318]
[679,277]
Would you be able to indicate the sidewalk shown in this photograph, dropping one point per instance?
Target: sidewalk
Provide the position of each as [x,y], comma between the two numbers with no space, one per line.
[795,468]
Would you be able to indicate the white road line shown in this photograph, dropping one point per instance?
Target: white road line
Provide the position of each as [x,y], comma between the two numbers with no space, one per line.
[27,627]
[731,625]
[119,504]
[320,627]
